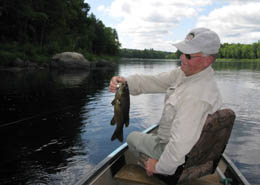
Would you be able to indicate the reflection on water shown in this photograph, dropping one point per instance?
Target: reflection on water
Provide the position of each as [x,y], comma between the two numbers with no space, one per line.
[236,65]
[41,135]
[55,127]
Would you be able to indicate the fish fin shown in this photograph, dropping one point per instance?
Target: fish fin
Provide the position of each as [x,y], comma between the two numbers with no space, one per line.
[126,117]
[127,123]
[113,121]
[118,134]
[113,102]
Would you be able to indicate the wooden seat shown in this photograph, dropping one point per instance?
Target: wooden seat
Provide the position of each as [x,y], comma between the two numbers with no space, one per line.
[135,174]
[200,161]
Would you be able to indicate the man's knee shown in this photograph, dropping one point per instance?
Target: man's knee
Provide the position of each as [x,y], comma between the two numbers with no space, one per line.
[132,139]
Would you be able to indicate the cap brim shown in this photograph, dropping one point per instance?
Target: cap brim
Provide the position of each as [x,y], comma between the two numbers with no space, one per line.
[186,48]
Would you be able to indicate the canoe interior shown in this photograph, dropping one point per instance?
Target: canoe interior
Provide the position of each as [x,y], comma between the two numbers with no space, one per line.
[120,168]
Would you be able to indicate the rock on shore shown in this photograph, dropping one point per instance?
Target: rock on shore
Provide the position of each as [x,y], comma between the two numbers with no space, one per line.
[69,60]
[65,61]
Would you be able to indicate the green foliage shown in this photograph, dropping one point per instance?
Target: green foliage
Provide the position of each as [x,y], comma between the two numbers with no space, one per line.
[6,57]
[12,51]
[146,53]
[43,28]
[9,53]
[240,51]
[41,59]
[94,58]
[89,56]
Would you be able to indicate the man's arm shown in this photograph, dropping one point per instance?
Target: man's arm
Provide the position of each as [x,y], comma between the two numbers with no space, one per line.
[141,84]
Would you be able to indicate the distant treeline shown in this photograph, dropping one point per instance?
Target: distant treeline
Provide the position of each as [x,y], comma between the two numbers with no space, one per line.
[240,51]
[237,51]
[35,28]
[146,53]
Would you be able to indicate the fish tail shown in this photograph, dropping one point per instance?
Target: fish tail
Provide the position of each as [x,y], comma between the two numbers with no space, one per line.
[118,134]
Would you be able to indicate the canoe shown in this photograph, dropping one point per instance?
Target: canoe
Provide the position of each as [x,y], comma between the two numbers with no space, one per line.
[120,168]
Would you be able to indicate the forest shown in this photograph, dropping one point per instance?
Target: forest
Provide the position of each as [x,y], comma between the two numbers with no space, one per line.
[240,51]
[35,30]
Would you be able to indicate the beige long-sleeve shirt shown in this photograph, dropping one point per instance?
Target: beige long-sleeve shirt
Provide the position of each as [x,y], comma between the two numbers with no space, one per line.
[188,102]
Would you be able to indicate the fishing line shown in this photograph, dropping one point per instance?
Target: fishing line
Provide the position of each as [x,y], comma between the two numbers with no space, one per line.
[36,116]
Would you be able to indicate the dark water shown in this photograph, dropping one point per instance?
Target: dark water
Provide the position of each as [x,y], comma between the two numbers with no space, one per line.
[54,127]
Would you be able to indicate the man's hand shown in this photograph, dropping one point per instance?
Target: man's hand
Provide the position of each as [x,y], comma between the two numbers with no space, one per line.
[150,166]
[114,81]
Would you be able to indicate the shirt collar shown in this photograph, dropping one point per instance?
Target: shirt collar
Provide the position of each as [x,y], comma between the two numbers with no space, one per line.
[202,74]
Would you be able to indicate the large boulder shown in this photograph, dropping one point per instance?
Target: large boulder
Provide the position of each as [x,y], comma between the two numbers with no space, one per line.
[69,60]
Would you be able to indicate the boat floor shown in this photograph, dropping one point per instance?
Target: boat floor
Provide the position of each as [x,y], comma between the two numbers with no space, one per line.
[136,175]
[212,179]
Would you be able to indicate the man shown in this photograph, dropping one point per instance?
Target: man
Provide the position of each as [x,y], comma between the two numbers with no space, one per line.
[191,94]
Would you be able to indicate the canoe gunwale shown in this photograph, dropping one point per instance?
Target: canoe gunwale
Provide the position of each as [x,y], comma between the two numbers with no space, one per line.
[101,166]
[234,170]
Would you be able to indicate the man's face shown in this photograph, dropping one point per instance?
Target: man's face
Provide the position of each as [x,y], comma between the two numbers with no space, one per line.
[192,64]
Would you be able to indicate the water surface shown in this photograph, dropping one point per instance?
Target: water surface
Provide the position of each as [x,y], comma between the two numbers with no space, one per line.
[55,127]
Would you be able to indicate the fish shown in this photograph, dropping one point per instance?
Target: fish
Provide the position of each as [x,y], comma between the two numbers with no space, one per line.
[121,105]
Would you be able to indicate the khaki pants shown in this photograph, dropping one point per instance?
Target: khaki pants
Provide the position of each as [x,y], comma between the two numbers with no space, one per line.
[148,144]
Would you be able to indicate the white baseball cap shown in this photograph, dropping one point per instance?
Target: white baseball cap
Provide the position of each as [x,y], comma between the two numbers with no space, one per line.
[200,40]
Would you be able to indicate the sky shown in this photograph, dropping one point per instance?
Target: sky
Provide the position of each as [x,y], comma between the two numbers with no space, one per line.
[156,24]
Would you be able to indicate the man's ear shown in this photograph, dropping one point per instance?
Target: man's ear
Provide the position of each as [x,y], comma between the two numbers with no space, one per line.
[209,60]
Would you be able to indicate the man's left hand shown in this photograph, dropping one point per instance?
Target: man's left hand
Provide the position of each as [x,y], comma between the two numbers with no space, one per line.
[150,166]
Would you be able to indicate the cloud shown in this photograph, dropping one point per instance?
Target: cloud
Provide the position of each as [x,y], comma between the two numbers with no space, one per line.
[235,23]
[146,24]
[156,24]
[242,1]
[101,8]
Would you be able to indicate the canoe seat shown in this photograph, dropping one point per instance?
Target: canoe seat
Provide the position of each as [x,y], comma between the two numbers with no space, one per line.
[135,174]
[200,161]
[204,157]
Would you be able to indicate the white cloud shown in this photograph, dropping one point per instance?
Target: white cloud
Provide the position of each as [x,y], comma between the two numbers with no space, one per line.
[235,23]
[146,23]
[101,8]
[241,1]
[155,23]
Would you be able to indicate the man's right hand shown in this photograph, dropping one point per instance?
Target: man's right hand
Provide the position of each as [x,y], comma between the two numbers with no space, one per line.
[114,81]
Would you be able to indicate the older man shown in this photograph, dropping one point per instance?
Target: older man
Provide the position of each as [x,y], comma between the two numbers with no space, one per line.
[191,94]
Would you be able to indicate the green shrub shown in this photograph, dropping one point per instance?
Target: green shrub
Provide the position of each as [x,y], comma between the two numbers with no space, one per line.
[8,57]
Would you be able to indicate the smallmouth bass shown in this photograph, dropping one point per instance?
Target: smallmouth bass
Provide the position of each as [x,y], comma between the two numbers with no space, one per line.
[121,105]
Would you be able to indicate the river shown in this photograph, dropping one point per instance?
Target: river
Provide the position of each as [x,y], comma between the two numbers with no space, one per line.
[55,127]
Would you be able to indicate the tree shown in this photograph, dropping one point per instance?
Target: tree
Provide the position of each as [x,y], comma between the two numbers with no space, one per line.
[54,26]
